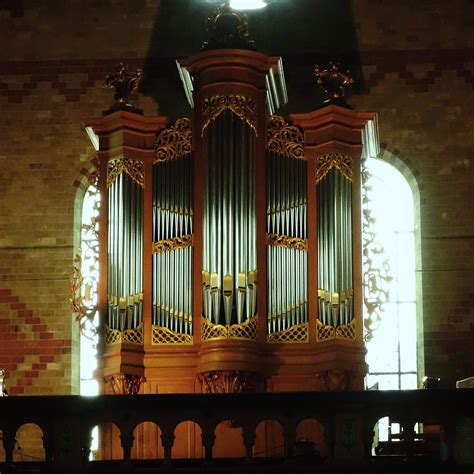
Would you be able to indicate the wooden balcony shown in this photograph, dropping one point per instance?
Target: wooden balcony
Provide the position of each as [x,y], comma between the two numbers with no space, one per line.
[347,422]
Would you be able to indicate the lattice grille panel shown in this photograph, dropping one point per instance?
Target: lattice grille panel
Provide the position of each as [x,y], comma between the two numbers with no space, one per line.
[295,334]
[163,335]
[246,330]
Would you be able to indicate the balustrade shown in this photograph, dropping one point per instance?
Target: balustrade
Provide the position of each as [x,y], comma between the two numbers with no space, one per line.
[348,420]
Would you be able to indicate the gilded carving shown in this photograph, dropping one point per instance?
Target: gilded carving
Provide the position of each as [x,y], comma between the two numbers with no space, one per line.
[375,264]
[124,384]
[162,335]
[242,106]
[134,168]
[325,163]
[294,334]
[287,242]
[333,80]
[285,139]
[174,142]
[328,331]
[134,336]
[230,381]
[336,380]
[170,245]
[245,330]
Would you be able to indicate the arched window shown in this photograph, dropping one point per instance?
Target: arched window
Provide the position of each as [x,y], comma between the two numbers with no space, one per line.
[88,264]
[390,281]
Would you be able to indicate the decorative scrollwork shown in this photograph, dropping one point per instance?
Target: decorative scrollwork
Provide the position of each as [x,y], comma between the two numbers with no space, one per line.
[346,331]
[333,80]
[325,331]
[242,106]
[246,330]
[134,336]
[230,381]
[84,274]
[124,384]
[174,142]
[325,163]
[287,242]
[294,334]
[375,264]
[285,139]
[134,168]
[169,245]
[162,335]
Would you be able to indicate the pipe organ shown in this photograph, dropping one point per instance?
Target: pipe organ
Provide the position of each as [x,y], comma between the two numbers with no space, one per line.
[230,241]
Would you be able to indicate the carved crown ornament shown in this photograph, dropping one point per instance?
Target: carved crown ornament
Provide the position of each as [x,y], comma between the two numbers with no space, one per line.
[285,139]
[174,141]
[333,81]
[125,84]
[228,28]
[244,107]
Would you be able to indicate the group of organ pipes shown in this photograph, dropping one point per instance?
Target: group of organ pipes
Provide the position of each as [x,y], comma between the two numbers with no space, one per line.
[229,272]
[235,231]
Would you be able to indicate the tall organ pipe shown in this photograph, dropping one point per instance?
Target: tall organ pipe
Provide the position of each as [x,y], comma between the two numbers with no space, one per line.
[287,266]
[335,249]
[229,227]
[125,253]
[172,220]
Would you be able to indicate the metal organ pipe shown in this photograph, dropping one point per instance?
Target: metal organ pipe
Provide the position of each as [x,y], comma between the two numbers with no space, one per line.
[229,266]
[334,193]
[286,219]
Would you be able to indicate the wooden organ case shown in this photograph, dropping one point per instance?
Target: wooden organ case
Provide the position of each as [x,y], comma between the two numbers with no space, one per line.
[230,242]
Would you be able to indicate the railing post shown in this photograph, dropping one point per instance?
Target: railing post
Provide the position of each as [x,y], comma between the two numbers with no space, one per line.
[8,444]
[248,435]
[208,437]
[408,437]
[127,443]
[167,440]
[329,439]
[289,439]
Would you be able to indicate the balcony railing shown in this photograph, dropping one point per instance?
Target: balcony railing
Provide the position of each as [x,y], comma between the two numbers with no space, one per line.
[347,418]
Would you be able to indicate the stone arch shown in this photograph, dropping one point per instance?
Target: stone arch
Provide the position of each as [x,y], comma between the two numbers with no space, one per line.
[228,441]
[310,439]
[187,441]
[29,444]
[269,439]
[109,442]
[147,441]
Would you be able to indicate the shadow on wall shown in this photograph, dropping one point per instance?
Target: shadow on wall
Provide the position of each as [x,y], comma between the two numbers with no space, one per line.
[303,32]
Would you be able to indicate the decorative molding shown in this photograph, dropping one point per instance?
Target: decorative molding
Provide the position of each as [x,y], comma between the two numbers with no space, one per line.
[299,333]
[174,142]
[325,163]
[242,106]
[336,380]
[230,381]
[134,168]
[124,384]
[162,336]
[287,242]
[245,330]
[170,245]
[133,336]
[285,139]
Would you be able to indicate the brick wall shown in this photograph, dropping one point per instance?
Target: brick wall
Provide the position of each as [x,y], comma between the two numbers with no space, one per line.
[417,70]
